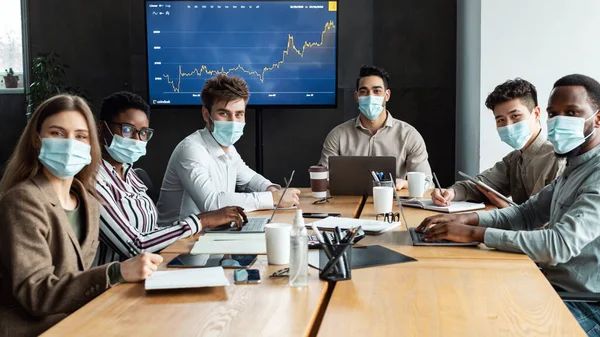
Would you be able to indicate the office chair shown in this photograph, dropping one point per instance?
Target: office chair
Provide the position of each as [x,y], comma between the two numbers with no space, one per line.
[143,175]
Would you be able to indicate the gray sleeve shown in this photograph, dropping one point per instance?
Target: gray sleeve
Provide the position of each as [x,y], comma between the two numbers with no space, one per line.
[496,177]
[563,240]
[527,216]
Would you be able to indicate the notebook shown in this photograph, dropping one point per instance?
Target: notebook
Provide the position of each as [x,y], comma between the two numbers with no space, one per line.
[228,243]
[187,278]
[364,257]
[368,226]
[455,206]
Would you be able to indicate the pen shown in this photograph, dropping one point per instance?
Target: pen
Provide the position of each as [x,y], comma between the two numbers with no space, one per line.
[337,233]
[321,240]
[330,247]
[437,182]
[374,176]
[380,176]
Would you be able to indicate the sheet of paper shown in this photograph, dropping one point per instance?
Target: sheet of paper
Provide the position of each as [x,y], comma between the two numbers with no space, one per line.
[223,243]
[455,206]
[187,278]
[368,226]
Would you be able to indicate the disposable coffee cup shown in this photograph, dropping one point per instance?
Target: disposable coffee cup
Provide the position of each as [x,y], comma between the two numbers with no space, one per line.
[383,197]
[278,243]
[416,184]
[319,181]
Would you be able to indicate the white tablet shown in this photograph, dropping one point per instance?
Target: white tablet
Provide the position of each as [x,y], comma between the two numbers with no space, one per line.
[486,187]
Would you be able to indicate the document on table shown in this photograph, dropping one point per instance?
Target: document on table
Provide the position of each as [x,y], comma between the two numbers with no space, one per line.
[368,226]
[187,278]
[224,243]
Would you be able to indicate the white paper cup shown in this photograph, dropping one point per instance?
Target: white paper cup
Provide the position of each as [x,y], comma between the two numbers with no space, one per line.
[278,243]
[416,184]
[383,199]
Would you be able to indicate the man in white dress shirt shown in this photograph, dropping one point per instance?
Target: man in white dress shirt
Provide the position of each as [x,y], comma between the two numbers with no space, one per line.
[205,169]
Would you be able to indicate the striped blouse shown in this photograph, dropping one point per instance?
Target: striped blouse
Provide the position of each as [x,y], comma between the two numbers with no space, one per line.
[128,218]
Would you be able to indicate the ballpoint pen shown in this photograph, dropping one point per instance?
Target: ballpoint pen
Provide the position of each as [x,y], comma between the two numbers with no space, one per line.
[321,240]
[337,233]
[437,182]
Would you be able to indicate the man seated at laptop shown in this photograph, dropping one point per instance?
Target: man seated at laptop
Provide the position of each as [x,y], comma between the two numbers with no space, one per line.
[205,169]
[568,248]
[375,132]
[524,171]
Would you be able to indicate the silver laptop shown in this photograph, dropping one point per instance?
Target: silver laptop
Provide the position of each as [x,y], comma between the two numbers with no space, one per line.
[349,175]
[254,225]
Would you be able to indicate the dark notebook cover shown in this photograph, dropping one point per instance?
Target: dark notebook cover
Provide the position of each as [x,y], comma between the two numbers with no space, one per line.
[376,255]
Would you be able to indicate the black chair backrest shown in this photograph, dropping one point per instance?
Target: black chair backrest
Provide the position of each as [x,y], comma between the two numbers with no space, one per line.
[143,175]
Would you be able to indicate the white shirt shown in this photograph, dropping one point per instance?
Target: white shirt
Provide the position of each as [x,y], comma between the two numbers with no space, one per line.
[202,177]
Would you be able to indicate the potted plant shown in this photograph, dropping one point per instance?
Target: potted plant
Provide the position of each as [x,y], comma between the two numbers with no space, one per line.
[47,80]
[10,79]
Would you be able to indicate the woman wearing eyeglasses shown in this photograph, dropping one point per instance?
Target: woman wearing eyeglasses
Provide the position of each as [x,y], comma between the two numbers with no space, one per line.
[128,216]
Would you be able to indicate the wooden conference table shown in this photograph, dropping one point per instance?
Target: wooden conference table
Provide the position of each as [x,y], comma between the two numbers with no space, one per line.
[447,292]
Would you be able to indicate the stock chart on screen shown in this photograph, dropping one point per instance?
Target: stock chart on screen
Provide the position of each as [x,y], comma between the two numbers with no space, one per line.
[286,51]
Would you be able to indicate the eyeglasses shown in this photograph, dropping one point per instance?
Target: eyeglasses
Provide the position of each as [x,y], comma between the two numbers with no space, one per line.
[389,217]
[321,201]
[129,131]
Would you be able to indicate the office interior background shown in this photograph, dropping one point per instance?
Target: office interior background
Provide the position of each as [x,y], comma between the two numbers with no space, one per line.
[444,57]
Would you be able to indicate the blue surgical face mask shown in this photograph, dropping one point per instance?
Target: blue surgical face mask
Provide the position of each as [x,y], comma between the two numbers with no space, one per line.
[516,135]
[64,157]
[227,133]
[371,106]
[126,150]
[566,133]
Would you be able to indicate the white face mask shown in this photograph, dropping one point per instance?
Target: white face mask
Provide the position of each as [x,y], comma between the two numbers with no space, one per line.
[566,133]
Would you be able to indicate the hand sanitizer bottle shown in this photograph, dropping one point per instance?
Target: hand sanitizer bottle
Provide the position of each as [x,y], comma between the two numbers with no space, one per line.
[298,252]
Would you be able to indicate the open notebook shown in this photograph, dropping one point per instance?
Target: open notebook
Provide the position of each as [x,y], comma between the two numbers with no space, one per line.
[368,226]
[226,243]
[455,206]
[187,278]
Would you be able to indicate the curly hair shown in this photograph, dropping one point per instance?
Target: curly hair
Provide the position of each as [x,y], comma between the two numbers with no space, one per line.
[591,86]
[367,70]
[120,102]
[223,88]
[511,89]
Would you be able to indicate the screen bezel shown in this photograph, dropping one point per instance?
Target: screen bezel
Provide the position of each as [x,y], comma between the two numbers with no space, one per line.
[248,106]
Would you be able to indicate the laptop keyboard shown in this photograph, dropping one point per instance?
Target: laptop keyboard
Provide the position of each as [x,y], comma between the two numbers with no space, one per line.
[254,225]
[418,237]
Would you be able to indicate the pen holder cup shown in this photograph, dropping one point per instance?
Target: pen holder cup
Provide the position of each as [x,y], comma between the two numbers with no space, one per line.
[339,266]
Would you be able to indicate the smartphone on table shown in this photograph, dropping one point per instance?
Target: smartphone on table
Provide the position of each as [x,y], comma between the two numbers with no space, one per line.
[246,276]
[320,215]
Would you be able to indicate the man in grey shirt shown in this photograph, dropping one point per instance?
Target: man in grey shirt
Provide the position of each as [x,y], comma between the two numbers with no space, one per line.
[568,248]
[375,132]
[524,171]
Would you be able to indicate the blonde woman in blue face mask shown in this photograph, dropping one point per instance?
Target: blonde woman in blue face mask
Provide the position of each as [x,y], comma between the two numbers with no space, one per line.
[49,218]
[128,217]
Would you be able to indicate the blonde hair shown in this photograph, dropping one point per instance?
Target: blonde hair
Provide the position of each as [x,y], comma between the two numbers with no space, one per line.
[24,163]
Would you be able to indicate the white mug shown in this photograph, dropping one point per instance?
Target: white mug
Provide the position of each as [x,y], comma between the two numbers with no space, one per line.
[278,242]
[416,184]
[383,199]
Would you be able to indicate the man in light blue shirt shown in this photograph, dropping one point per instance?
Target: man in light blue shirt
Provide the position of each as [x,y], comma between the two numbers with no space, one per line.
[568,247]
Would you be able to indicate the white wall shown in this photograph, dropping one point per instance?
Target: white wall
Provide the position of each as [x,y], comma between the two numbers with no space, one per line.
[537,40]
